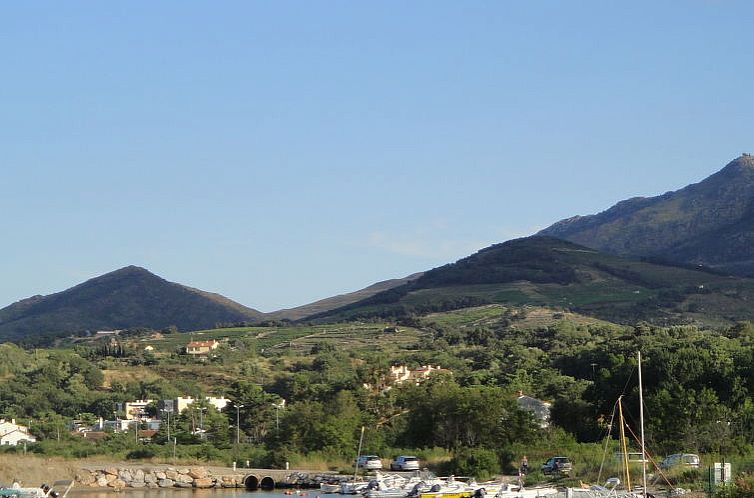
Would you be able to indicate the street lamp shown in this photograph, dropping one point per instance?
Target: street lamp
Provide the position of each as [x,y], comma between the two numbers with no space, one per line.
[238,423]
[278,407]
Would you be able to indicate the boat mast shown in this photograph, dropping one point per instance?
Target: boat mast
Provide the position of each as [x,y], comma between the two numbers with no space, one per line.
[623,446]
[358,453]
[641,422]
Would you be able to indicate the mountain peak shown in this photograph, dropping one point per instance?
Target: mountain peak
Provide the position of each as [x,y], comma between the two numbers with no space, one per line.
[131,269]
[744,162]
[709,223]
[128,297]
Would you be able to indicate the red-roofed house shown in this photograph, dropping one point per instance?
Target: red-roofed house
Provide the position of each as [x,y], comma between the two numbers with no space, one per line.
[201,347]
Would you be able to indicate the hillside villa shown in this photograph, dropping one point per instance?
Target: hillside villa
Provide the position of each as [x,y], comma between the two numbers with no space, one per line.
[540,409]
[199,348]
[401,373]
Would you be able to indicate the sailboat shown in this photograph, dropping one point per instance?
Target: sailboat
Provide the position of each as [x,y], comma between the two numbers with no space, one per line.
[612,487]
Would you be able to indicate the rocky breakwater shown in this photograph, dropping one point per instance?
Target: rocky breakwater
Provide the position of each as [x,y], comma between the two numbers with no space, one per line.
[311,480]
[171,477]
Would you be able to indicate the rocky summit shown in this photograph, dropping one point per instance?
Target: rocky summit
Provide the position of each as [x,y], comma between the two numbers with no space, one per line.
[710,223]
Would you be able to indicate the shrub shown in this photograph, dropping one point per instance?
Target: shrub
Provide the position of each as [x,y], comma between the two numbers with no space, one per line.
[742,488]
[140,453]
[481,463]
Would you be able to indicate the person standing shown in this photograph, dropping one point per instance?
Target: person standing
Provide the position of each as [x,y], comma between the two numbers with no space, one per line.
[524,469]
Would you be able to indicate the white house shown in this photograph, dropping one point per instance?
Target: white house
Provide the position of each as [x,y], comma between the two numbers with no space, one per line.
[540,409]
[401,373]
[11,433]
[202,347]
[182,403]
[136,409]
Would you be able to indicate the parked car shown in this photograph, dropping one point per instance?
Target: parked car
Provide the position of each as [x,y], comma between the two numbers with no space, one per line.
[369,462]
[689,460]
[404,462]
[557,465]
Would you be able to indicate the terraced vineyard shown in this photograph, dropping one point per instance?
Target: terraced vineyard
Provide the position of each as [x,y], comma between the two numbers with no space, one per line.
[520,317]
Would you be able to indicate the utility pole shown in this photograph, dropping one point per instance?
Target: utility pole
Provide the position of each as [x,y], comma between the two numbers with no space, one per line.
[201,421]
[167,413]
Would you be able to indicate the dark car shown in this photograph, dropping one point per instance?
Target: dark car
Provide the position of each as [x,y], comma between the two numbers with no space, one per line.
[557,465]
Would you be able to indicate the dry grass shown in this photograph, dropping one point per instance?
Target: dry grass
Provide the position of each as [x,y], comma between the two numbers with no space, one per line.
[33,470]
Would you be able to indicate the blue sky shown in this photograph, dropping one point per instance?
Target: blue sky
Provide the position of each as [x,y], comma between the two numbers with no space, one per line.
[282,152]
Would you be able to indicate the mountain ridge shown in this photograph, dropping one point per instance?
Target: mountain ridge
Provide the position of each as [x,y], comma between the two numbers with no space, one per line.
[340,300]
[127,297]
[559,274]
[688,225]
[134,297]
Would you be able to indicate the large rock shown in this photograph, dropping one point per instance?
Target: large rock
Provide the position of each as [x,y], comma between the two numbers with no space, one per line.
[111,470]
[230,481]
[166,483]
[204,482]
[102,481]
[138,475]
[184,479]
[171,474]
[138,484]
[85,478]
[117,484]
[198,472]
[160,475]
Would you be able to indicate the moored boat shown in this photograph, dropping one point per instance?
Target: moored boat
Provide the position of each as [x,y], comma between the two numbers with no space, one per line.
[329,487]
[44,491]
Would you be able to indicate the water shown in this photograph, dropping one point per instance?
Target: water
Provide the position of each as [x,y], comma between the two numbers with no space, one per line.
[189,493]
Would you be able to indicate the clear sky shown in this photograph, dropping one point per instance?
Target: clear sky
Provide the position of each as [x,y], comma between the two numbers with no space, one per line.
[282,152]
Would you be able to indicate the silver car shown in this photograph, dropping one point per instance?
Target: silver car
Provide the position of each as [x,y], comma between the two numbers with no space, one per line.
[686,459]
[405,462]
[369,462]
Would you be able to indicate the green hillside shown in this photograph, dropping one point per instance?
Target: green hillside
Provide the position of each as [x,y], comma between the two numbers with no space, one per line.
[557,274]
[335,379]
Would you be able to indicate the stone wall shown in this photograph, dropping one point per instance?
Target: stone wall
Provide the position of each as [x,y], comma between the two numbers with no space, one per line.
[170,477]
[118,478]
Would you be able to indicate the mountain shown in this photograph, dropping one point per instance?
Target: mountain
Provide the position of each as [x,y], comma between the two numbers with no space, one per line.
[331,303]
[550,272]
[709,223]
[125,298]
